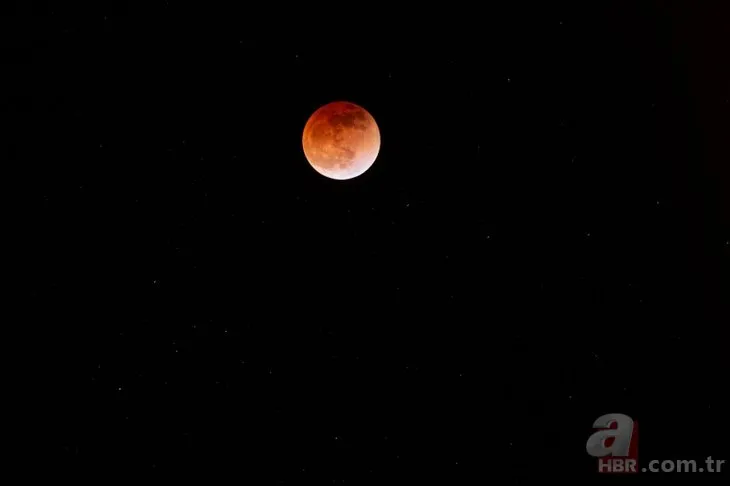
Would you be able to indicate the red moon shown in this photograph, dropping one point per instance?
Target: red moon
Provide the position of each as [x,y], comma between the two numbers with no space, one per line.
[341,140]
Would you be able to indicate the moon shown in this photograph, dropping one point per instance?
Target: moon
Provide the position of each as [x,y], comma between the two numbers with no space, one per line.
[341,140]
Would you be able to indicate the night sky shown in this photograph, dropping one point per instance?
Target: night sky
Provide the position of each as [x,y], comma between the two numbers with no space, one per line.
[543,239]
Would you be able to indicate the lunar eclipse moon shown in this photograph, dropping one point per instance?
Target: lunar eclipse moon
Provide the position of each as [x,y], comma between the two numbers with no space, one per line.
[341,140]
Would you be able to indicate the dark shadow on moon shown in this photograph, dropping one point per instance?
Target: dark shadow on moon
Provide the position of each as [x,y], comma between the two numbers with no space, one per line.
[354,119]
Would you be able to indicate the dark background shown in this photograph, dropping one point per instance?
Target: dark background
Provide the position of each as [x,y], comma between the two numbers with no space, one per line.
[542,240]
